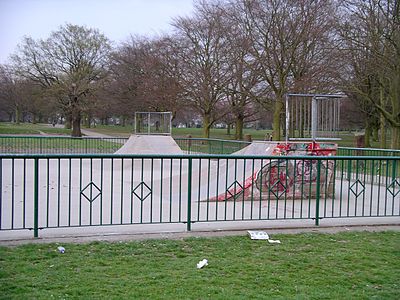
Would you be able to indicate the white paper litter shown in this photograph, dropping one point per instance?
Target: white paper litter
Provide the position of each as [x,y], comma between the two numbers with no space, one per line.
[258,235]
[61,249]
[262,235]
[202,263]
[274,241]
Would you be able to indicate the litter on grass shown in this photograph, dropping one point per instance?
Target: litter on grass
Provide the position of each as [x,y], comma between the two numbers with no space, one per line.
[61,249]
[202,263]
[262,235]
[258,235]
[274,241]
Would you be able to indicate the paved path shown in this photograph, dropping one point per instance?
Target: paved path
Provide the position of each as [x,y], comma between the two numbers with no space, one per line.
[86,132]
[178,231]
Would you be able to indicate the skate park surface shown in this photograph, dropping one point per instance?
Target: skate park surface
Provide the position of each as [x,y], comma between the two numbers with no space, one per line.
[167,179]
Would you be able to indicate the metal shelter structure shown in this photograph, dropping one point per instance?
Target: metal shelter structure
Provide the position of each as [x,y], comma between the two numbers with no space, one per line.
[312,116]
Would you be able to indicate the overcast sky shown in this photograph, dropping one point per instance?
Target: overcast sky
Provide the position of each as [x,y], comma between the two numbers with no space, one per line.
[117,19]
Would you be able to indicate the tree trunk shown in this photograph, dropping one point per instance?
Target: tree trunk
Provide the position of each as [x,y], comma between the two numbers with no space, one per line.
[228,129]
[68,121]
[276,121]
[17,115]
[375,134]
[206,126]
[395,138]
[239,128]
[34,118]
[383,132]
[382,120]
[368,131]
[88,120]
[76,123]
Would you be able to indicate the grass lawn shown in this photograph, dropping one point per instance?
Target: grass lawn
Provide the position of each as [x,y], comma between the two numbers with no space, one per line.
[307,266]
[29,128]
[43,144]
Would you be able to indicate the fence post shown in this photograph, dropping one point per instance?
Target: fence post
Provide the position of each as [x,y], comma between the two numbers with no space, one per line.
[36,200]
[189,137]
[189,203]
[317,192]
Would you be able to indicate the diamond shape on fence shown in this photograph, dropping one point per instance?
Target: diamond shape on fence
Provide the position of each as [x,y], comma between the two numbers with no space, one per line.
[393,186]
[356,184]
[144,190]
[278,185]
[97,189]
[237,187]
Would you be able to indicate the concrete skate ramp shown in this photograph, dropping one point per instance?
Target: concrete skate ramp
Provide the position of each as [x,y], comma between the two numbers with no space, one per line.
[258,148]
[150,144]
[234,177]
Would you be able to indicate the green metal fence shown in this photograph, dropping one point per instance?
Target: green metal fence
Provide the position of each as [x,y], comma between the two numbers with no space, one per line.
[88,145]
[59,144]
[210,146]
[347,151]
[56,191]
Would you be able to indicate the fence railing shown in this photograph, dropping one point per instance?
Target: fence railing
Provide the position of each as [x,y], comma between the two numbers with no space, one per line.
[54,191]
[88,145]
[348,151]
[210,146]
[59,144]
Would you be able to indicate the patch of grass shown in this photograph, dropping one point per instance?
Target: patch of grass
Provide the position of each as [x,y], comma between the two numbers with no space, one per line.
[113,130]
[29,128]
[58,145]
[307,266]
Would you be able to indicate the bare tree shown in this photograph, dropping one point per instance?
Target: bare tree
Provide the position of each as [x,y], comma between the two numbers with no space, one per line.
[202,49]
[10,94]
[284,35]
[371,42]
[70,64]
[145,75]
[244,80]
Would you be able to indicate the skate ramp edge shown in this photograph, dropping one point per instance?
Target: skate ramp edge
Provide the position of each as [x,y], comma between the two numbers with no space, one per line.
[150,144]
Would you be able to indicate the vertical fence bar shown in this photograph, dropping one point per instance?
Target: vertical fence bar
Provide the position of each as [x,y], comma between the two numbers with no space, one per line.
[58,192]
[170,189]
[24,196]
[12,191]
[189,203]
[180,190]
[393,181]
[48,192]
[317,196]
[199,192]
[217,191]
[69,190]
[161,186]
[36,200]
